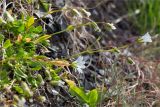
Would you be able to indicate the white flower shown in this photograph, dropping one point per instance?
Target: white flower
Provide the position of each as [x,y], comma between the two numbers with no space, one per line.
[110,25]
[146,38]
[80,64]
[54,92]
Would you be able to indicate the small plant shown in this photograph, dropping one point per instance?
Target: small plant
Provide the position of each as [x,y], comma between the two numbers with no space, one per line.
[90,98]
[20,64]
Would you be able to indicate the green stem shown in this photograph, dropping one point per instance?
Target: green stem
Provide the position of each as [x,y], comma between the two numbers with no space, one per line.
[99,50]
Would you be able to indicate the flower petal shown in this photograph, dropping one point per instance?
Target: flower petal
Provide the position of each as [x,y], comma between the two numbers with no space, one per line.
[146,38]
[79,70]
[79,59]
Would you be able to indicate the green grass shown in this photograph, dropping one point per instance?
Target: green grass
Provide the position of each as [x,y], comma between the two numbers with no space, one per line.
[149,17]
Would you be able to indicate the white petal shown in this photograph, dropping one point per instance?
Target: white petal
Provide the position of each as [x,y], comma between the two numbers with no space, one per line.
[81,63]
[82,66]
[54,92]
[80,59]
[146,38]
[79,70]
[111,26]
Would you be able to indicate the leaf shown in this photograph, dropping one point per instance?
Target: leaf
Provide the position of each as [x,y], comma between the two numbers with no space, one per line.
[45,5]
[32,81]
[26,89]
[18,89]
[18,72]
[1,38]
[70,82]
[54,75]
[4,77]
[38,29]
[7,44]
[42,98]
[42,38]
[35,30]
[35,65]
[76,91]
[10,52]
[40,79]
[30,22]
[48,75]
[93,97]
[79,93]
[61,63]
[21,28]
[21,53]
[40,57]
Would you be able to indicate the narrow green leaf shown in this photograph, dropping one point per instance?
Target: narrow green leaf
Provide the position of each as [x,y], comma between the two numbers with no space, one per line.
[18,89]
[79,93]
[42,38]
[18,72]
[7,44]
